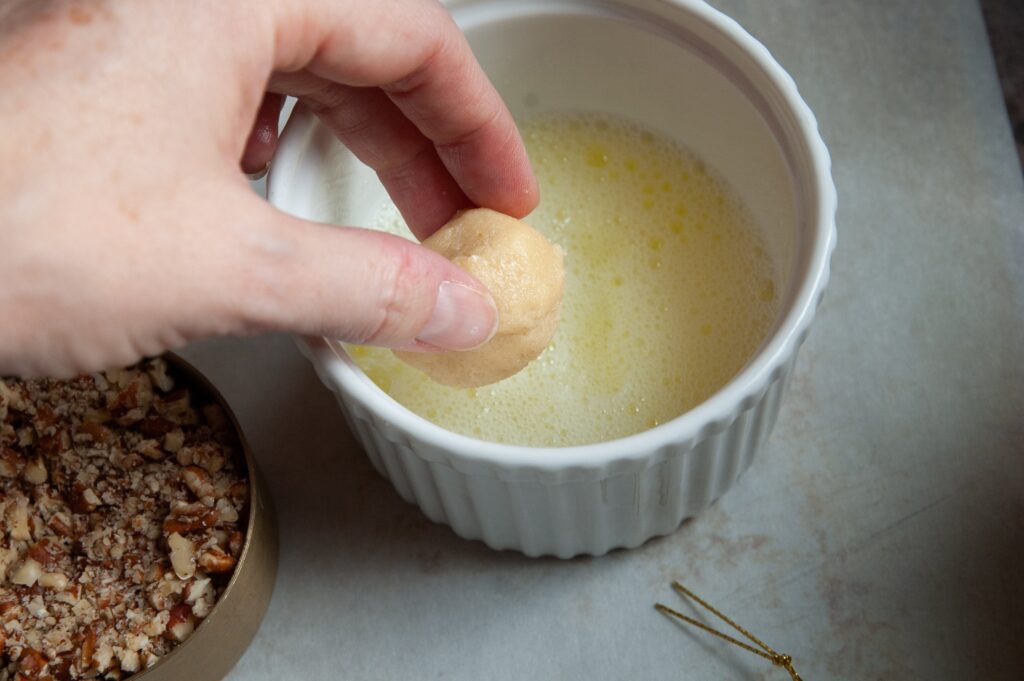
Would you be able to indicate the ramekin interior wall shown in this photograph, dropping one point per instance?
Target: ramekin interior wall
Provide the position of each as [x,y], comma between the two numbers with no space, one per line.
[587,56]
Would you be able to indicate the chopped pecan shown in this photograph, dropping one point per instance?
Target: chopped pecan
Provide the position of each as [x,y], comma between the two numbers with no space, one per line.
[34,472]
[155,426]
[227,511]
[53,580]
[239,493]
[61,667]
[157,370]
[190,517]
[183,555]
[198,482]
[107,527]
[82,499]
[90,431]
[151,449]
[12,395]
[27,573]
[236,540]
[45,552]
[88,648]
[207,455]
[17,522]
[54,445]
[177,407]
[32,662]
[181,622]
[174,440]
[125,400]
[45,419]
[11,463]
[214,561]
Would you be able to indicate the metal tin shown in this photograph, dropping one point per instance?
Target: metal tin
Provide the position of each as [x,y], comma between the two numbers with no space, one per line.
[221,638]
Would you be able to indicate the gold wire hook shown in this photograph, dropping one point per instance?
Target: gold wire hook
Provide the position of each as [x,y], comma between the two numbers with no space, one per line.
[778,659]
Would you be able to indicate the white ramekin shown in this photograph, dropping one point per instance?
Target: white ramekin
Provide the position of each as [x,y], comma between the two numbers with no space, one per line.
[687,70]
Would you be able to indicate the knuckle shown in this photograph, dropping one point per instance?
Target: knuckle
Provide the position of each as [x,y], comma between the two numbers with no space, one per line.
[325,97]
[399,309]
[437,47]
[404,169]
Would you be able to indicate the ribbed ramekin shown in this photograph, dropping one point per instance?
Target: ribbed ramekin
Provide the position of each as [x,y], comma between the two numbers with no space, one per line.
[737,108]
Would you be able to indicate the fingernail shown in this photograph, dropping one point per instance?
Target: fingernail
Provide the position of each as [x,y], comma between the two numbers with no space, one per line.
[259,174]
[463,318]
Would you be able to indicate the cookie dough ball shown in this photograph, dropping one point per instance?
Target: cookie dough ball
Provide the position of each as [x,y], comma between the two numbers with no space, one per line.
[523,272]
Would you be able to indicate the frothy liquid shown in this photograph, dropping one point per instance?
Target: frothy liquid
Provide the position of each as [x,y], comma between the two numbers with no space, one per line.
[668,293]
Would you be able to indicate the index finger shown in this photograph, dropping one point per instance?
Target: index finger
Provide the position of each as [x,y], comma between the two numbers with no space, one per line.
[413,50]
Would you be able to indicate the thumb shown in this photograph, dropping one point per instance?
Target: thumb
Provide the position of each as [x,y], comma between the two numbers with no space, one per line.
[356,285]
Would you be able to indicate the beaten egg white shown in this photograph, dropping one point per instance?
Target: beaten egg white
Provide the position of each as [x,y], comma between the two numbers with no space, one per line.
[669,291]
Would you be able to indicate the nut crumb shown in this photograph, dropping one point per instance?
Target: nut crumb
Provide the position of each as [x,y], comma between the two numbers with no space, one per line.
[122,516]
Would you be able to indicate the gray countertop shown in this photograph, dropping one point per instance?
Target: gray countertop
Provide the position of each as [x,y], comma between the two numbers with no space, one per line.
[879,535]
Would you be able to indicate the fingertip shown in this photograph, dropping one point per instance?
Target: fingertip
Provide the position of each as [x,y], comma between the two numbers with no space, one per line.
[517,192]
[464,317]
[525,199]
[524,191]
[492,167]
[356,285]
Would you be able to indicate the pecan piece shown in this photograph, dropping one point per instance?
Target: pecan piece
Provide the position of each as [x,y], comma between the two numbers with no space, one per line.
[208,455]
[151,450]
[176,406]
[27,573]
[54,445]
[198,482]
[157,370]
[238,492]
[11,463]
[181,622]
[45,552]
[216,562]
[34,472]
[236,540]
[88,648]
[155,426]
[174,440]
[90,431]
[82,499]
[32,662]
[45,418]
[124,401]
[53,580]
[17,522]
[183,553]
[190,517]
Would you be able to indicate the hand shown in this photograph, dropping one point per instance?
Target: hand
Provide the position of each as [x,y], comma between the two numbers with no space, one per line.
[127,225]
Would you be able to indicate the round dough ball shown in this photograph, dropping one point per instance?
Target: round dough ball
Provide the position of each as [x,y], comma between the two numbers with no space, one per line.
[523,272]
